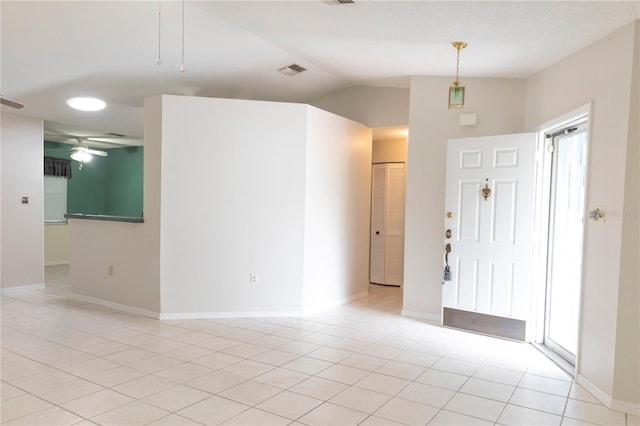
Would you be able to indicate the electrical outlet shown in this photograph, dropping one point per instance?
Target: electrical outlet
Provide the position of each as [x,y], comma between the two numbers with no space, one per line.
[253,278]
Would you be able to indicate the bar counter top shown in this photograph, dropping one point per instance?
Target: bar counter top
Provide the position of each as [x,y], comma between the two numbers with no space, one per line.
[104,217]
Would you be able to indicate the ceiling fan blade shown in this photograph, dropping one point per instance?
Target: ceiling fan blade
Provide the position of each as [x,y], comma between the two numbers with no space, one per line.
[90,151]
[10,103]
[99,153]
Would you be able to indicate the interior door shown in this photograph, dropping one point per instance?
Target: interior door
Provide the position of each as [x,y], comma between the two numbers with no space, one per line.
[387,224]
[378,210]
[489,212]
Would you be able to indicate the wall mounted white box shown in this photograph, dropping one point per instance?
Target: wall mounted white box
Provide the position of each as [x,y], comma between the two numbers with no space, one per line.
[468,119]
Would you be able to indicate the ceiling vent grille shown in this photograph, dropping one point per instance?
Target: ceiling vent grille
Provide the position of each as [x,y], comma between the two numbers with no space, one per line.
[337,2]
[291,70]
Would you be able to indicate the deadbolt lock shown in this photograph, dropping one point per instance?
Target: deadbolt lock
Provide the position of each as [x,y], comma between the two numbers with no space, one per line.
[448,233]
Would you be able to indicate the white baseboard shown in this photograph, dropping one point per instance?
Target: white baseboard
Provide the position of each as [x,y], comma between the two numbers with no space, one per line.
[614,404]
[208,315]
[114,305]
[57,262]
[258,314]
[21,288]
[625,407]
[324,306]
[213,315]
[421,315]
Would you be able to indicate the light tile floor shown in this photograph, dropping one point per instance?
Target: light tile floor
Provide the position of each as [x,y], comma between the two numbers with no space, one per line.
[66,362]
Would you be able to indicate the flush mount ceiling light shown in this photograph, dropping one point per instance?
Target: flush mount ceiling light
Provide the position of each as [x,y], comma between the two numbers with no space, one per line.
[86,104]
[456,90]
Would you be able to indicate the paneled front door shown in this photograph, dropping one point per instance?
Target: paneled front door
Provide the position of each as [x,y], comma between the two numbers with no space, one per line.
[489,211]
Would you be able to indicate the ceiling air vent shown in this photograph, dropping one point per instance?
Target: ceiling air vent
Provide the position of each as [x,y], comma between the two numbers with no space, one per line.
[337,2]
[292,70]
[345,1]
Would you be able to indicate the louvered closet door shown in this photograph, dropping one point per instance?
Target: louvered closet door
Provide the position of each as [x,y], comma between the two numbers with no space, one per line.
[387,224]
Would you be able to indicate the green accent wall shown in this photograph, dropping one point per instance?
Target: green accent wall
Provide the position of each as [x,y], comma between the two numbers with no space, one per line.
[109,185]
[124,181]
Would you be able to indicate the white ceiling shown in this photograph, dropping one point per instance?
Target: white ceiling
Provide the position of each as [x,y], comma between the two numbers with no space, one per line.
[54,50]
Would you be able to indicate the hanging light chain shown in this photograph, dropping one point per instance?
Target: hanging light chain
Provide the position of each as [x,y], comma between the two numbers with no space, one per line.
[159,59]
[458,66]
[182,69]
[459,45]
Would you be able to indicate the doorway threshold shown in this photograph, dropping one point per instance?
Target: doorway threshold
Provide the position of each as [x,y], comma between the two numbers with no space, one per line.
[556,359]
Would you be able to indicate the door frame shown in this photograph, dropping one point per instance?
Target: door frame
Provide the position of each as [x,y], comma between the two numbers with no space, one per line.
[541,229]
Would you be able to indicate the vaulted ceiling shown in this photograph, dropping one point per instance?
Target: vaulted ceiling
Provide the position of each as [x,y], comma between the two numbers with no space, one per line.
[54,50]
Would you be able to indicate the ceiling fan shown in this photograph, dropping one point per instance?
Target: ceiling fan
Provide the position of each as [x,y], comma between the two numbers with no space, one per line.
[87,150]
[81,152]
[10,103]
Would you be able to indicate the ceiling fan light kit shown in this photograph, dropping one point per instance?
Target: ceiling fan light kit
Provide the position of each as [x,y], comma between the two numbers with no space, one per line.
[456,90]
[81,156]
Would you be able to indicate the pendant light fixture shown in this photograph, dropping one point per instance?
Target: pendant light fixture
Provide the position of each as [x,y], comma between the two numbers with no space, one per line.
[456,90]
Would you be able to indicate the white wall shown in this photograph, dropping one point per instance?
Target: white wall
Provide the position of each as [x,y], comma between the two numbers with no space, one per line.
[21,229]
[57,244]
[389,151]
[133,249]
[498,104]
[337,210]
[602,73]
[232,204]
[129,249]
[230,190]
[627,374]
[372,106]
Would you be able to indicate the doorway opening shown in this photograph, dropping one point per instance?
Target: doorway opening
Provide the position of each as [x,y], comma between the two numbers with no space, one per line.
[562,167]
[386,251]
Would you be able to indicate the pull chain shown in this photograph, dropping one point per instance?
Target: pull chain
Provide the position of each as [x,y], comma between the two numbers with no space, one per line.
[159,59]
[182,69]
[458,66]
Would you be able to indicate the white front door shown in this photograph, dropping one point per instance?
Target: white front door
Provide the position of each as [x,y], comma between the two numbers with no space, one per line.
[491,238]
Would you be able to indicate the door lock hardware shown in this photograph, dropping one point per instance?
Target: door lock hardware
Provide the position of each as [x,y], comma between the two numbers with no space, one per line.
[447,270]
[447,233]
